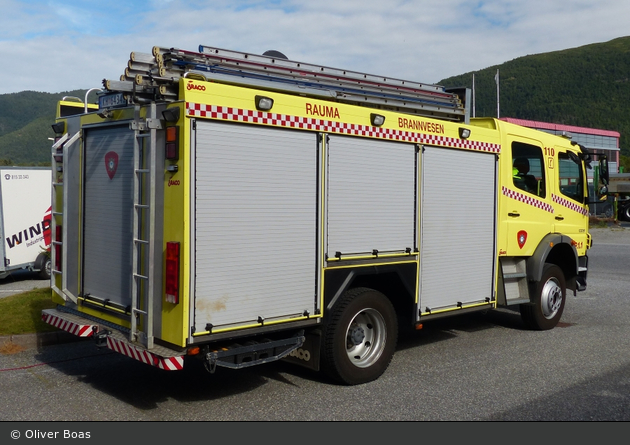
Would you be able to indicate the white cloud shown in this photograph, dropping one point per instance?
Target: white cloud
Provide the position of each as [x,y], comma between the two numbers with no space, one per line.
[418,40]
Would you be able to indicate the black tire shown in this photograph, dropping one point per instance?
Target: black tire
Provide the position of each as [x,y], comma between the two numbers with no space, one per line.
[625,212]
[549,296]
[44,264]
[360,337]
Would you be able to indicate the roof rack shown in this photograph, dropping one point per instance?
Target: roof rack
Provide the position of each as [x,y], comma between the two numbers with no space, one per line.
[156,77]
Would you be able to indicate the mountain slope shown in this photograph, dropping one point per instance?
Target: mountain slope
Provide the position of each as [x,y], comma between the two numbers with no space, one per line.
[587,86]
[25,120]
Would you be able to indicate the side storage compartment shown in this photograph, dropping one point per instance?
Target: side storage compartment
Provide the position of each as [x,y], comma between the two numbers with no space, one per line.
[458,229]
[255,234]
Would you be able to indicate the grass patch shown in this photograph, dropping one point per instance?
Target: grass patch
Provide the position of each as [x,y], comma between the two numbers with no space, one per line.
[22,313]
[601,223]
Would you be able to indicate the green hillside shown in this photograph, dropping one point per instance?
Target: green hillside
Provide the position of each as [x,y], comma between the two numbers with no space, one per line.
[587,86]
[25,120]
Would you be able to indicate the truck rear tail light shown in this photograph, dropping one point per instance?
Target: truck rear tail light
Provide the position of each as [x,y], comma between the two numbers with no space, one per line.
[172,143]
[172,272]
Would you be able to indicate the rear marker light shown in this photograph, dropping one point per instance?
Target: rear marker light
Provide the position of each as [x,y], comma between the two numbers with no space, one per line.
[57,247]
[172,145]
[172,272]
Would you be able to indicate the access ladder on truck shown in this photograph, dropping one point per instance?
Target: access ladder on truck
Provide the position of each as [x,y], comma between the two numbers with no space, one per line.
[144,238]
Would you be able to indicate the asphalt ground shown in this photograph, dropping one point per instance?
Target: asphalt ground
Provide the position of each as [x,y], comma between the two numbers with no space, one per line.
[478,366]
[20,281]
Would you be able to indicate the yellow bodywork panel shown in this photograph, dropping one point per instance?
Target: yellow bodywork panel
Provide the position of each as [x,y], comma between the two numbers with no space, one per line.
[175,317]
[230,103]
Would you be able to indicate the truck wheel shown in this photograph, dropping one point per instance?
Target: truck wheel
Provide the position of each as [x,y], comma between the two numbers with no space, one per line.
[44,264]
[360,337]
[549,298]
[626,212]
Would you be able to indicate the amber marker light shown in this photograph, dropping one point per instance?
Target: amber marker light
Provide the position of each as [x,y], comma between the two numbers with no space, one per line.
[193,351]
[172,143]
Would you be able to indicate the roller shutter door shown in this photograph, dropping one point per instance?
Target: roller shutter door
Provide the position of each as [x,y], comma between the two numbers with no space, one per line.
[458,227]
[108,215]
[370,196]
[255,213]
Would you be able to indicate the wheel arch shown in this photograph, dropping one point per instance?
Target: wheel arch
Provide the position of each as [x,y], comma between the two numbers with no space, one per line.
[397,282]
[555,249]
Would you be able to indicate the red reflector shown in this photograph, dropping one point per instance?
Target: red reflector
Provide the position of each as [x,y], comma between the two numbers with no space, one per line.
[57,247]
[172,153]
[172,272]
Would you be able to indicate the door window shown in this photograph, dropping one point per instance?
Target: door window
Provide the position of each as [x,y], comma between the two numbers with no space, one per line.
[570,176]
[528,173]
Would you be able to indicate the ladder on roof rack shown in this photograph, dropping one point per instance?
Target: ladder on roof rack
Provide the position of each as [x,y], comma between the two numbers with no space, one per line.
[156,75]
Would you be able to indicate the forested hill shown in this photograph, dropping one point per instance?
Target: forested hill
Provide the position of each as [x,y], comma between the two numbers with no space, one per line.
[587,86]
[25,126]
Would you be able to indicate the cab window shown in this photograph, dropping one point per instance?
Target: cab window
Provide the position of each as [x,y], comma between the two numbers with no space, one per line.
[570,176]
[528,173]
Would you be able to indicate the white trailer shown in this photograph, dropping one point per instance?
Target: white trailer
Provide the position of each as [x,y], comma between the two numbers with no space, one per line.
[25,218]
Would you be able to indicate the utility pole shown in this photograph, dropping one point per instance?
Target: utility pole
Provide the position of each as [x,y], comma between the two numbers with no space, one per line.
[496,79]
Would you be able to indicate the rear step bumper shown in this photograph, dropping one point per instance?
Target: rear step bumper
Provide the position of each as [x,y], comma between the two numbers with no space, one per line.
[159,356]
[235,356]
[252,353]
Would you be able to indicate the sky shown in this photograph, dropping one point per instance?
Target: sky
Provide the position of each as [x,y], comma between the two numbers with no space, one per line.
[61,45]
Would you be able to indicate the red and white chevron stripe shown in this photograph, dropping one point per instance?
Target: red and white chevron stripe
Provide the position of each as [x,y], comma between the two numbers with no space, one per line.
[81,330]
[569,204]
[305,123]
[527,199]
[166,363]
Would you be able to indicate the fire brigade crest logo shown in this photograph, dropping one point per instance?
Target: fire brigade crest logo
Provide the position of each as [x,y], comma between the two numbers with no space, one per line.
[111,163]
[521,237]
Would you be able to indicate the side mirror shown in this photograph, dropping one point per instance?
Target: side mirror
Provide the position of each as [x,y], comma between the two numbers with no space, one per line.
[603,170]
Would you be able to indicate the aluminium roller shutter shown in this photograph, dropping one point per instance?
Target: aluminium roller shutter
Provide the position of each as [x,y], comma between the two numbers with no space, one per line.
[458,227]
[108,215]
[255,224]
[370,196]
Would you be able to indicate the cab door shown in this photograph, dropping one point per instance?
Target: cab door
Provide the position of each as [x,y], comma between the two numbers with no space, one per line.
[525,209]
[569,195]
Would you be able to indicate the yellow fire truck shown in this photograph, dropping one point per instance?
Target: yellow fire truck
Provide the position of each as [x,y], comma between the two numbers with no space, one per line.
[240,209]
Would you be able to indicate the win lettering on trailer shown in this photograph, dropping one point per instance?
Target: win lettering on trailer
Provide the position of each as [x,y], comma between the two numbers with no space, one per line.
[39,230]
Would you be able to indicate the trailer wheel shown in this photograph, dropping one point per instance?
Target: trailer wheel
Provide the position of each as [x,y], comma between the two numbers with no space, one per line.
[44,264]
[360,337]
[549,298]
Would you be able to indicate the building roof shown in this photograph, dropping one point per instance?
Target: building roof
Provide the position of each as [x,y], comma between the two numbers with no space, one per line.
[559,127]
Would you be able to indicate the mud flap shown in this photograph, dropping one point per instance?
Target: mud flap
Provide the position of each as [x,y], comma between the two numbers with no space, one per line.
[309,353]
